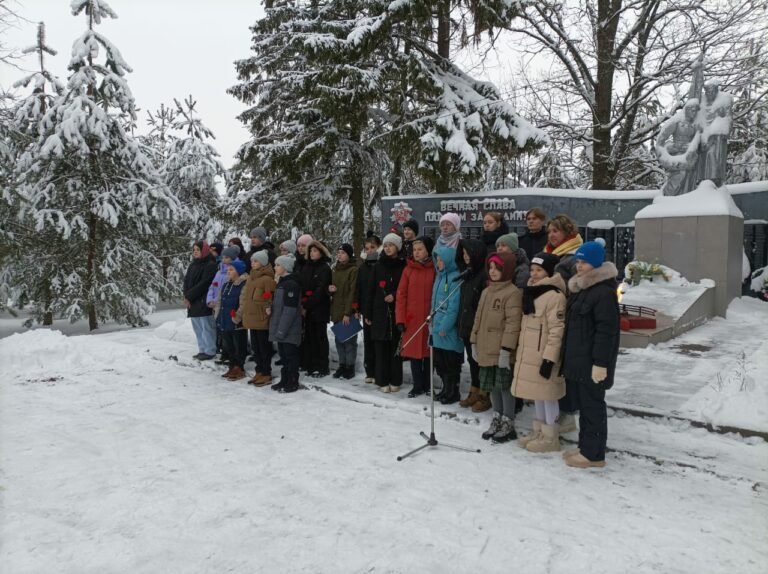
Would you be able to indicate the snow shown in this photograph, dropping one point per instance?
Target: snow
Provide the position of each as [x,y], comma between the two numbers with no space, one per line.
[601,224]
[738,395]
[748,187]
[705,200]
[759,280]
[672,296]
[122,454]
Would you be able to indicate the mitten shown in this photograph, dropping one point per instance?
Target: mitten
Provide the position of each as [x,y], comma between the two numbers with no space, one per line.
[599,374]
[545,370]
[504,359]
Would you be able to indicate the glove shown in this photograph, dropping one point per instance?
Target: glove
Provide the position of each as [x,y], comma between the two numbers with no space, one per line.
[599,374]
[504,359]
[474,352]
[545,370]
[401,327]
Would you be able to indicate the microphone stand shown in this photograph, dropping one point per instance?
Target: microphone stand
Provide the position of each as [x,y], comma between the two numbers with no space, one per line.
[431,441]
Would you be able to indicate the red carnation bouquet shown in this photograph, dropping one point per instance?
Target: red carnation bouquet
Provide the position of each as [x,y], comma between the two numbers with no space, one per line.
[267,296]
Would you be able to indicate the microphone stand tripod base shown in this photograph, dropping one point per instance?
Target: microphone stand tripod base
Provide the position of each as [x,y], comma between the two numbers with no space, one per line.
[432,441]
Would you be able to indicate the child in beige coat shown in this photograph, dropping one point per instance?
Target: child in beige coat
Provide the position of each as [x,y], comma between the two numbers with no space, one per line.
[538,352]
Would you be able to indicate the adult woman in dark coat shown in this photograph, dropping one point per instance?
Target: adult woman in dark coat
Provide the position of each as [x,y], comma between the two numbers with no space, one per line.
[197,280]
[379,313]
[590,348]
[315,277]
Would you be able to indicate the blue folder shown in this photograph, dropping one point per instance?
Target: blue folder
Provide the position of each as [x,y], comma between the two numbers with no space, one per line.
[344,332]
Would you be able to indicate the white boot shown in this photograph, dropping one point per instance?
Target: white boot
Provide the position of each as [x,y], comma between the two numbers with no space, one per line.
[495,424]
[547,441]
[523,442]
[567,423]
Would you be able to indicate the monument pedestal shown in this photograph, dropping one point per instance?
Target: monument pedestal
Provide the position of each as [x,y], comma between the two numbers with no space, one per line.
[699,234]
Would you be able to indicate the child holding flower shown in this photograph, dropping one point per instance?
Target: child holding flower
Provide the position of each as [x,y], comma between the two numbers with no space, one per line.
[255,303]
[233,337]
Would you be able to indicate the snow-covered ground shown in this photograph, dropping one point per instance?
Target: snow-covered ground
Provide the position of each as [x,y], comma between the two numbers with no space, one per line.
[121,454]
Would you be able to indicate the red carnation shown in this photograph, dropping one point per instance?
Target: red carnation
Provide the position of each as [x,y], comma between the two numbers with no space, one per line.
[267,295]
[215,283]
[382,284]
[309,293]
[232,313]
[355,306]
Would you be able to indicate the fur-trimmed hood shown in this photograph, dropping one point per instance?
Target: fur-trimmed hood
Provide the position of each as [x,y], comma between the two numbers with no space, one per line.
[323,249]
[597,275]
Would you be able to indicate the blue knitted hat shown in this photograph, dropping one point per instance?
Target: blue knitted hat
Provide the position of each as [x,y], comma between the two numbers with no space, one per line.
[592,252]
[239,266]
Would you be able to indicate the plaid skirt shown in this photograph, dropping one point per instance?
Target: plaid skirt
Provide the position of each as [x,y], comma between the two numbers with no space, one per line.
[495,379]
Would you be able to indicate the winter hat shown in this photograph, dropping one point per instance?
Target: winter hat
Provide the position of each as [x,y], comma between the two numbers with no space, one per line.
[259,232]
[305,240]
[507,263]
[217,246]
[452,218]
[593,252]
[413,225]
[239,266]
[546,261]
[262,257]
[394,239]
[510,240]
[348,249]
[289,245]
[287,261]
[233,252]
[428,242]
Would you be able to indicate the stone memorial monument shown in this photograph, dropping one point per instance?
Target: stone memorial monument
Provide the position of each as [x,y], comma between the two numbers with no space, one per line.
[693,145]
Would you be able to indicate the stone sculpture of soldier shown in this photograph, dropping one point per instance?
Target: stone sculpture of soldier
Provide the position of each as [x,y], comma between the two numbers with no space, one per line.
[716,119]
[679,157]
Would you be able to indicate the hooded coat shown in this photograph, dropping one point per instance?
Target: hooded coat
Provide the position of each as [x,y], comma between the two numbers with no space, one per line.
[385,280]
[498,317]
[285,320]
[446,300]
[344,300]
[218,281]
[541,336]
[228,303]
[315,277]
[473,285]
[592,324]
[412,305]
[253,302]
[197,280]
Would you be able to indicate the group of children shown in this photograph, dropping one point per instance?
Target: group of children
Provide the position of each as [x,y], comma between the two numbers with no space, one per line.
[539,323]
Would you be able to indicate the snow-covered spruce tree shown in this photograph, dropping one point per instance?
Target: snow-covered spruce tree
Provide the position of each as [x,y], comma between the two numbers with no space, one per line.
[312,96]
[191,170]
[88,181]
[37,248]
[451,124]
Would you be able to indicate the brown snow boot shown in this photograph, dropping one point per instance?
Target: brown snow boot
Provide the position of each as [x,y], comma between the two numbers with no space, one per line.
[236,374]
[483,402]
[228,373]
[472,397]
[260,380]
[547,441]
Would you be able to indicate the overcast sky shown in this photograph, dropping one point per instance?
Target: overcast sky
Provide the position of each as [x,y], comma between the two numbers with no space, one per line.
[175,47]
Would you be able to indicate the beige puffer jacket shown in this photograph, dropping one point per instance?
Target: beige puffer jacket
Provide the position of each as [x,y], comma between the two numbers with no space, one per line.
[541,336]
[497,321]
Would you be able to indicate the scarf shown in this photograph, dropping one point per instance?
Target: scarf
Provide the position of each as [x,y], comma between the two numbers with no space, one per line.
[570,245]
[533,292]
[449,240]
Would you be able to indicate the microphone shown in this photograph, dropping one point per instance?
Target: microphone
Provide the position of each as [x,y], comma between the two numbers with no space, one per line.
[463,274]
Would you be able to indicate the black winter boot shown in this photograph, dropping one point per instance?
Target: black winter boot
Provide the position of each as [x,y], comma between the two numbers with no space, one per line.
[452,391]
[349,372]
[292,386]
[338,373]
